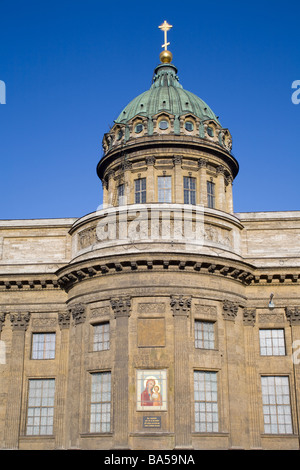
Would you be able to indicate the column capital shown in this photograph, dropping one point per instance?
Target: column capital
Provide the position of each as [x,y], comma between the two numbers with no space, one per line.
[249,316]
[220,170]
[177,159]
[2,320]
[293,315]
[121,306]
[78,312]
[180,305]
[126,165]
[20,321]
[64,319]
[202,163]
[230,310]
[150,160]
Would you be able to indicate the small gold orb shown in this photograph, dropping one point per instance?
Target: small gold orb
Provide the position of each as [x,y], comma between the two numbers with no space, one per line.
[166,57]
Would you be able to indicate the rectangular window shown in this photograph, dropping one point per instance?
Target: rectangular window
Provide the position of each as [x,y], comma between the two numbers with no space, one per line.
[276,405]
[189,190]
[140,191]
[100,402]
[272,342]
[43,346]
[101,337]
[40,407]
[206,401]
[204,335]
[164,189]
[211,195]
[121,195]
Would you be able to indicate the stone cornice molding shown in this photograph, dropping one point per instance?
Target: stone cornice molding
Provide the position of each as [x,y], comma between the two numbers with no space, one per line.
[181,306]
[29,284]
[237,272]
[230,310]
[78,312]
[293,315]
[121,306]
[20,321]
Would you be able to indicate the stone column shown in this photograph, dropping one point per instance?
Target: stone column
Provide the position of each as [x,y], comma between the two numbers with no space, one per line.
[19,324]
[181,311]
[105,192]
[121,307]
[111,188]
[237,387]
[249,318]
[202,164]
[128,189]
[78,313]
[293,316]
[178,180]
[221,203]
[229,196]
[61,387]
[150,161]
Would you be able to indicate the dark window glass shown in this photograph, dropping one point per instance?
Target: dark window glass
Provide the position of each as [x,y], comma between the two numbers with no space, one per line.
[189,189]
[140,191]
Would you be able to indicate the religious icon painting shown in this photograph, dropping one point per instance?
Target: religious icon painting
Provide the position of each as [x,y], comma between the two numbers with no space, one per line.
[151,390]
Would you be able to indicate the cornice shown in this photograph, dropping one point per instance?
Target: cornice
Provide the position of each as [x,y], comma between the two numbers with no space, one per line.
[113,265]
[167,141]
[27,282]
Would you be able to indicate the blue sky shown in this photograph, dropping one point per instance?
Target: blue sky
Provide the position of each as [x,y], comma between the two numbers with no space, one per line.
[70,67]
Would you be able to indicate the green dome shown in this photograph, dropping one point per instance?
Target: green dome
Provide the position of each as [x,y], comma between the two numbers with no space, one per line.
[166,94]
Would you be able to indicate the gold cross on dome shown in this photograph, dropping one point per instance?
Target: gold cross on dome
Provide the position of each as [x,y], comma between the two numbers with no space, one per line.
[165,27]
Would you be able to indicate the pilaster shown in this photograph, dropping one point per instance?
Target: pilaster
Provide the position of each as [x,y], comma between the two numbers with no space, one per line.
[181,310]
[122,308]
[202,164]
[249,319]
[76,353]
[19,325]
[178,180]
[236,376]
[221,205]
[61,387]
[150,161]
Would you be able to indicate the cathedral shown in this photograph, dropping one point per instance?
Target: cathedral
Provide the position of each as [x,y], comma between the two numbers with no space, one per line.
[163,320]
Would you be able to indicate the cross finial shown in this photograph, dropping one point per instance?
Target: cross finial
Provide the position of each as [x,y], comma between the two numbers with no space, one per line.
[165,27]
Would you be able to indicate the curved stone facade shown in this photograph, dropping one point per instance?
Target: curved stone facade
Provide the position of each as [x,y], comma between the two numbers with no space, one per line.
[163,320]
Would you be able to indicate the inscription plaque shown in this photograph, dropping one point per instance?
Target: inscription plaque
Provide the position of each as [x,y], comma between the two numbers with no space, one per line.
[151,422]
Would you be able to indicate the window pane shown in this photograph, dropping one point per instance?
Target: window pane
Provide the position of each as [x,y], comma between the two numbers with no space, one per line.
[40,407]
[101,337]
[140,191]
[272,342]
[121,194]
[204,335]
[210,194]
[43,346]
[206,404]
[100,402]
[164,189]
[276,405]
[189,186]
